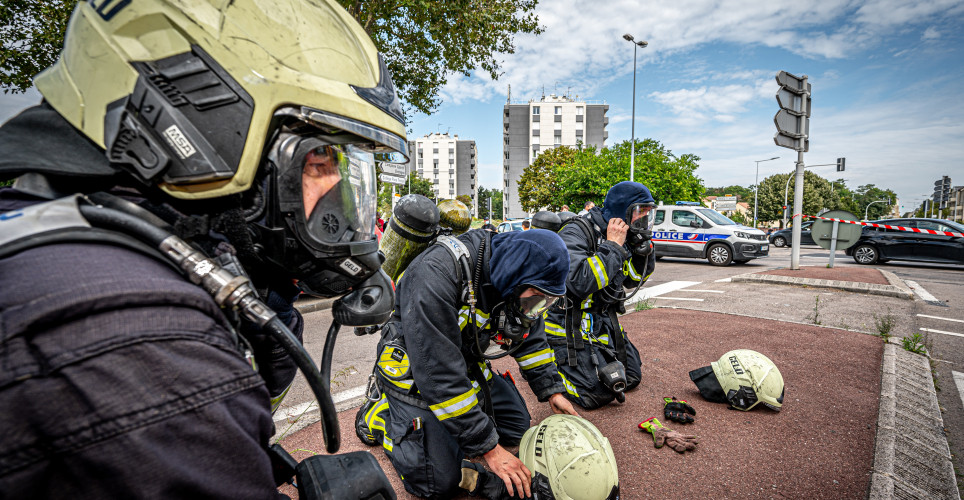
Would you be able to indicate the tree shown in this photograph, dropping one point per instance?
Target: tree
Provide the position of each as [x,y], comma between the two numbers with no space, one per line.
[33,34]
[465,199]
[496,196]
[742,193]
[669,177]
[424,41]
[537,186]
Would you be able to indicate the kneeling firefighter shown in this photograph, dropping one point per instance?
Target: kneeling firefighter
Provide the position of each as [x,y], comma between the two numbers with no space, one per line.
[609,249]
[436,401]
[190,161]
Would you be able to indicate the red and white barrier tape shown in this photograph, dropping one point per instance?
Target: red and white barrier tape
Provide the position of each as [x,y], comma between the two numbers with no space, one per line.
[888,226]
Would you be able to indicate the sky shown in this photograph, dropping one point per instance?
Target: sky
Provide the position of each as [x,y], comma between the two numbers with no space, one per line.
[887,78]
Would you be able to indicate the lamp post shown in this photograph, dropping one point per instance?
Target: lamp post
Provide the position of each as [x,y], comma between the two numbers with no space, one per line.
[632,147]
[867,210]
[756,186]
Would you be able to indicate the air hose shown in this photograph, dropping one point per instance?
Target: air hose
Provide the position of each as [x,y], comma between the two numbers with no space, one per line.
[229,292]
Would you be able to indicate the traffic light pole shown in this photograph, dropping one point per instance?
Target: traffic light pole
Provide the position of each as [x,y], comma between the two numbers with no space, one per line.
[797,212]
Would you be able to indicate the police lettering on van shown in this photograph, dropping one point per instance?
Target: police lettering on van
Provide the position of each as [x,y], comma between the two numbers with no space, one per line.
[688,229]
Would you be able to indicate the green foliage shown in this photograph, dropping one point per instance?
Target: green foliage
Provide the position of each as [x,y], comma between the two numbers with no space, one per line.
[537,186]
[818,194]
[644,305]
[742,193]
[424,41]
[465,199]
[885,324]
[33,34]
[585,174]
[914,343]
[484,195]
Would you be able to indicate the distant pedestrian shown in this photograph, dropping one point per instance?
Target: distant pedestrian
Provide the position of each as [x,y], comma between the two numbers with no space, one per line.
[565,208]
[589,205]
[525,225]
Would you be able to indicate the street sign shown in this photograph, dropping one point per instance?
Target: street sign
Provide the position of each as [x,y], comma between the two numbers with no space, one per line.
[394,168]
[726,202]
[391,178]
[847,234]
[793,119]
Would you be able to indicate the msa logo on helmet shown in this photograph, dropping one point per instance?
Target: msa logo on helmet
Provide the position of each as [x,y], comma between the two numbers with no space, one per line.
[737,368]
[176,139]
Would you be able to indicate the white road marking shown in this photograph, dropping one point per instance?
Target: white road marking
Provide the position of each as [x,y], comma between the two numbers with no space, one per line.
[724,280]
[678,298]
[923,294]
[959,381]
[298,410]
[649,293]
[703,291]
[943,332]
[938,317]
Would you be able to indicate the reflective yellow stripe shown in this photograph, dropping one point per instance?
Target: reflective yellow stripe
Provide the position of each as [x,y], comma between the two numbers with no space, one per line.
[485,370]
[604,339]
[571,389]
[387,443]
[481,318]
[599,270]
[373,416]
[630,271]
[586,304]
[404,384]
[455,406]
[554,329]
[536,359]
[391,366]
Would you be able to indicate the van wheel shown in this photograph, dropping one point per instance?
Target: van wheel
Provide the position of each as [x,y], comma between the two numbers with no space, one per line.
[719,255]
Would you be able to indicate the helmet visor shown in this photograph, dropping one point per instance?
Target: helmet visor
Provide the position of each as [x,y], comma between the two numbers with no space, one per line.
[535,305]
[640,217]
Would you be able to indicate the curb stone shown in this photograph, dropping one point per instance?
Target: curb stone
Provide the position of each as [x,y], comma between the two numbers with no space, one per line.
[911,455]
[896,288]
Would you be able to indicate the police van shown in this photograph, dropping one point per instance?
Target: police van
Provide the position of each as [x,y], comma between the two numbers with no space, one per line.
[688,229]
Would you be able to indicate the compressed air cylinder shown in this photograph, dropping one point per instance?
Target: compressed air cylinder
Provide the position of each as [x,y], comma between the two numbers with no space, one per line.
[411,229]
[454,215]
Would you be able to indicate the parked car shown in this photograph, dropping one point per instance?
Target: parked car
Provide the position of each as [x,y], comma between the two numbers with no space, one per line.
[510,225]
[878,245]
[689,229]
[784,237]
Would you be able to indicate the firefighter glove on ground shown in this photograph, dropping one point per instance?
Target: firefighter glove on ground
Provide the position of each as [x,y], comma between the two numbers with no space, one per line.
[678,410]
[662,435]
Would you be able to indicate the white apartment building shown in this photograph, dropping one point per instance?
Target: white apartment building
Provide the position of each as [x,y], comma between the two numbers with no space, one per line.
[535,126]
[448,163]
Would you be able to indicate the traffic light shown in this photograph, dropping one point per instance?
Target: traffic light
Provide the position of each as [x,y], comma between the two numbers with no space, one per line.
[841,163]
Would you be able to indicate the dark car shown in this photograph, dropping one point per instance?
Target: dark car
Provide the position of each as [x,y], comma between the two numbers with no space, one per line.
[784,237]
[878,244]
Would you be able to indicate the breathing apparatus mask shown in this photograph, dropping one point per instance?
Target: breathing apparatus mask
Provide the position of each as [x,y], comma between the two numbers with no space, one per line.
[641,221]
[513,318]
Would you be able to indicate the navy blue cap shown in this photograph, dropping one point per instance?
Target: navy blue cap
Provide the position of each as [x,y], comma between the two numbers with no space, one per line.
[536,258]
[621,196]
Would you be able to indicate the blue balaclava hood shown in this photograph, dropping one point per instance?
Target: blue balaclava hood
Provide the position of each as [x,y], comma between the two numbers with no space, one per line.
[621,196]
[536,257]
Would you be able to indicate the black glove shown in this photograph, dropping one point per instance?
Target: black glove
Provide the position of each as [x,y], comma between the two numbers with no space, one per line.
[677,409]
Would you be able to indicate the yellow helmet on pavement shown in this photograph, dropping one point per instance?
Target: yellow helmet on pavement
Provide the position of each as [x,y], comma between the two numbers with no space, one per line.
[570,460]
[741,378]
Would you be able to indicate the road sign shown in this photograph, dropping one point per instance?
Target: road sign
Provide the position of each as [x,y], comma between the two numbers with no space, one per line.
[793,119]
[726,202]
[394,168]
[392,178]
[847,234]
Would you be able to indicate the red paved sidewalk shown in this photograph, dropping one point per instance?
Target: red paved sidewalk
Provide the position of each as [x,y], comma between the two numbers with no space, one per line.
[820,446]
[853,274]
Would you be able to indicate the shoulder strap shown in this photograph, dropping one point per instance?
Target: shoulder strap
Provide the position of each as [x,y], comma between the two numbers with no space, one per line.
[586,230]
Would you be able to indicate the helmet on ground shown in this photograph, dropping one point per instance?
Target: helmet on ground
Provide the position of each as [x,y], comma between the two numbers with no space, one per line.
[546,220]
[570,460]
[741,378]
[286,102]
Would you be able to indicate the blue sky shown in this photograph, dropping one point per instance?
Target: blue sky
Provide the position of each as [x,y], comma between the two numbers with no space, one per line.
[887,77]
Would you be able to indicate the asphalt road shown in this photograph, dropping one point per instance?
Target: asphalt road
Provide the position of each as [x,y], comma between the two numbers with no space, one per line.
[937,314]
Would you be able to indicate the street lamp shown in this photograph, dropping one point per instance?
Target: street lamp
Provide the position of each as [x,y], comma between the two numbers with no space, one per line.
[867,210]
[756,186]
[632,147]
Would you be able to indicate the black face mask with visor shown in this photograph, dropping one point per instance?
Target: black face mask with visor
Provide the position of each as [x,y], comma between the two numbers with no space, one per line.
[641,222]
[513,318]
[318,219]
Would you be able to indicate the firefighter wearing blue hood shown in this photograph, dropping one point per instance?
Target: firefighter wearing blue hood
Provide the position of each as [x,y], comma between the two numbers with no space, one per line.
[436,401]
[610,249]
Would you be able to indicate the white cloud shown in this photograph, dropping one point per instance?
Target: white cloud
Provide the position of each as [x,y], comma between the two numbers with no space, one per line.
[720,103]
[931,33]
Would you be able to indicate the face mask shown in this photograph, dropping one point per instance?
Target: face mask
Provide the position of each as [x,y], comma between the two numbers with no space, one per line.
[640,218]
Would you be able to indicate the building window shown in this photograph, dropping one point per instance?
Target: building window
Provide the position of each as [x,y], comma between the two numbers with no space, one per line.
[535,110]
[558,141]
[558,126]
[535,125]
[558,110]
[579,110]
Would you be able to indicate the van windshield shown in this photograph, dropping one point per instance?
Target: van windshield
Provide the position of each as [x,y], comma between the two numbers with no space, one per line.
[716,217]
